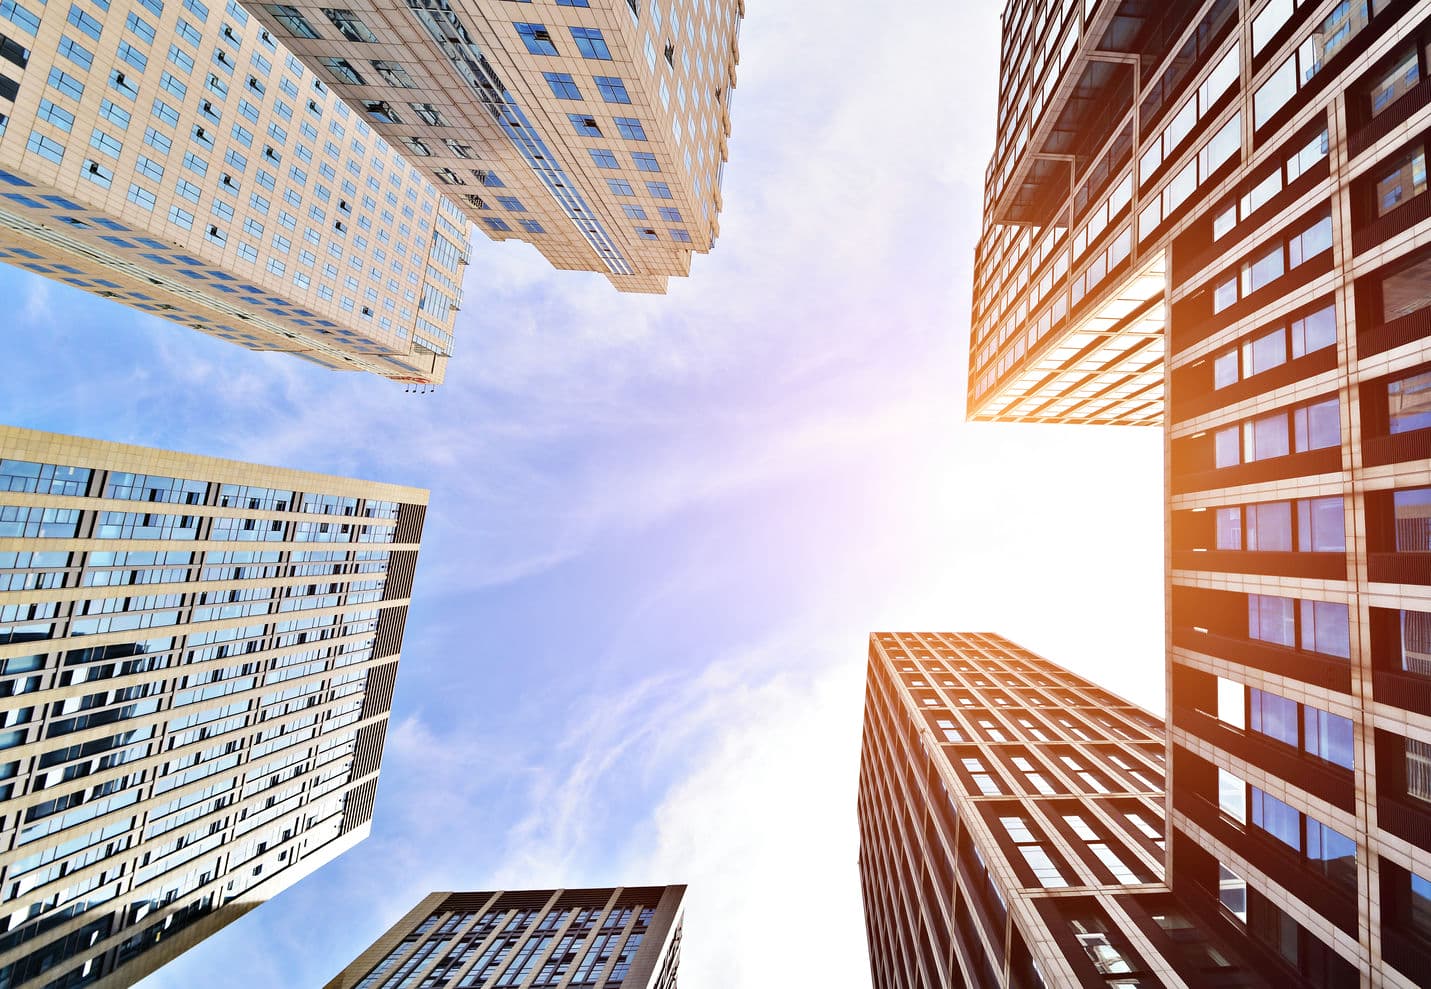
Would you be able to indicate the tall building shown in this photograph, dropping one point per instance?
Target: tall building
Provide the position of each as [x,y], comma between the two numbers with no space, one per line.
[1246,235]
[594,130]
[197,659]
[176,158]
[1012,829]
[622,938]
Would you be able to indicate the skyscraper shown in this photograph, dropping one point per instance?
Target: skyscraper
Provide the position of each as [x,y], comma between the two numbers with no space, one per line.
[622,938]
[594,130]
[1227,205]
[197,659]
[178,159]
[1012,830]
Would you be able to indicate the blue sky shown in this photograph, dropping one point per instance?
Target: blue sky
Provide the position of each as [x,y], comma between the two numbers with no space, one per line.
[662,528]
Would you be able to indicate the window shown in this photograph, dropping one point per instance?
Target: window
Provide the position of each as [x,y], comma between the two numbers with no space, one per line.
[589,42]
[349,25]
[630,128]
[84,22]
[679,234]
[603,159]
[612,89]
[584,125]
[1262,271]
[292,19]
[66,84]
[1038,859]
[1412,511]
[1395,84]
[1402,293]
[633,212]
[495,224]
[76,52]
[1314,427]
[620,187]
[531,226]
[646,233]
[62,119]
[1327,736]
[511,203]
[536,38]
[562,85]
[647,162]
[342,70]
[47,148]
[1403,179]
[1409,402]
[393,74]
[1322,625]
[670,214]
[658,190]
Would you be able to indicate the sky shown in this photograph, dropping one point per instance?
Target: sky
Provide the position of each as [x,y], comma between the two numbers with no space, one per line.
[663,527]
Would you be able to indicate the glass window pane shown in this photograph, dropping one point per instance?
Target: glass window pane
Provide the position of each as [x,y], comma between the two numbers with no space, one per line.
[1412,509]
[1409,403]
[1269,527]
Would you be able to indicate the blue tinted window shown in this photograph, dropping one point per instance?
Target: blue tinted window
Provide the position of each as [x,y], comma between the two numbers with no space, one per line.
[536,38]
[612,89]
[631,128]
[590,43]
[602,158]
[562,84]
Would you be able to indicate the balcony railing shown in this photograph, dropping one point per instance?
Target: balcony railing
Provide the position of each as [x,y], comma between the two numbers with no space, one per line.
[1308,667]
[1391,118]
[1402,330]
[1399,568]
[1404,217]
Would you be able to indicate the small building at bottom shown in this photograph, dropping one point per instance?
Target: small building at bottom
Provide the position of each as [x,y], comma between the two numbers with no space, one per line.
[624,937]
[1012,831]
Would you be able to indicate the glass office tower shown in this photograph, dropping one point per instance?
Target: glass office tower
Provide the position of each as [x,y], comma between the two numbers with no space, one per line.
[595,130]
[1012,829]
[173,156]
[621,938]
[197,659]
[1214,216]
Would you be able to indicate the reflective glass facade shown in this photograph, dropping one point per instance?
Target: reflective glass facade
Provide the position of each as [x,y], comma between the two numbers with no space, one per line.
[197,658]
[1213,216]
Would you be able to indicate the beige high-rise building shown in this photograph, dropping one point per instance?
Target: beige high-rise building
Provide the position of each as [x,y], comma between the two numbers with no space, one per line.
[175,157]
[197,659]
[593,129]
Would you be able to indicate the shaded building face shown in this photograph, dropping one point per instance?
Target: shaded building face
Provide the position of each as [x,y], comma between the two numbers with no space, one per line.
[616,938]
[175,157]
[1248,185]
[197,659]
[1012,829]
[595,131]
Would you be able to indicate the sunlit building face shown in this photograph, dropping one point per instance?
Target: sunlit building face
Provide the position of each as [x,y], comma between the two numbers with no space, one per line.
[197,658]
[1214,217]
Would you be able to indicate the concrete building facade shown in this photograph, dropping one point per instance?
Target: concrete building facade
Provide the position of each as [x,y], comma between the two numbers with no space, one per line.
[594,130]
[1012,830]
[197,658]
[617,938]
[178,159]
[1214,216]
